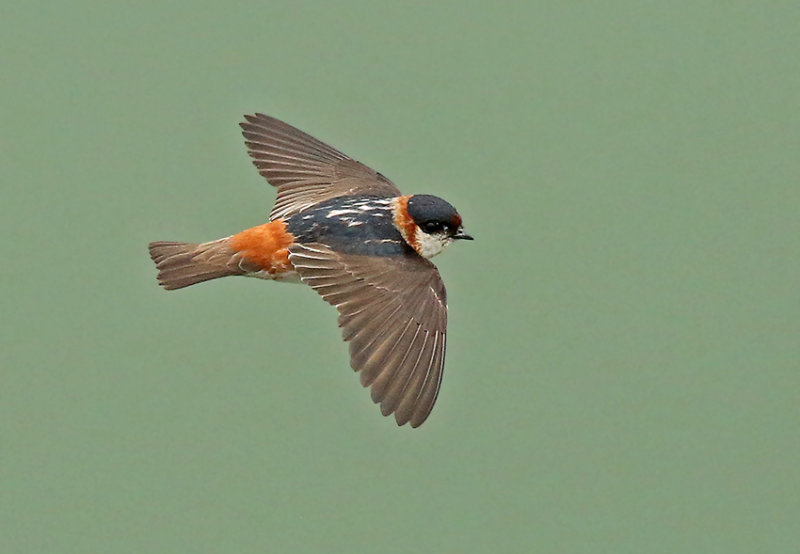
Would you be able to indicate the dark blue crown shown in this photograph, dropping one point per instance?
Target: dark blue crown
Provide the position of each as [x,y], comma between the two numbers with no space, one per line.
[424,208]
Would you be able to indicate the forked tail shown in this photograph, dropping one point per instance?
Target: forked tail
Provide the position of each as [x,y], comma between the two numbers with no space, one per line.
[181,264]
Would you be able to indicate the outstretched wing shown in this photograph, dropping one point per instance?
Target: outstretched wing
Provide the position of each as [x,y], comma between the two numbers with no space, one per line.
[393,311]
[306,170]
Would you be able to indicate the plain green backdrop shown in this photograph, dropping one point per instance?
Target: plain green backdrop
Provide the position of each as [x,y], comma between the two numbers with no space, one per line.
[622,370]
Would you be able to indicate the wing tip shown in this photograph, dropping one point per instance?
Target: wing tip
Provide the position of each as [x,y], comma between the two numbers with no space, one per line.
[251,121]
[252,118]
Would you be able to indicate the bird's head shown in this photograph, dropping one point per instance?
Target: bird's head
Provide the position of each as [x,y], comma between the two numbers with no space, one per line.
[428,223]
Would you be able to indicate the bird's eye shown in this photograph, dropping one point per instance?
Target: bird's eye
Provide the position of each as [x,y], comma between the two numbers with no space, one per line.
[432,227]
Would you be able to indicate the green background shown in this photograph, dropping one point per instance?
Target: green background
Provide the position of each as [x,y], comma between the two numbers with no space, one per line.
[623,354]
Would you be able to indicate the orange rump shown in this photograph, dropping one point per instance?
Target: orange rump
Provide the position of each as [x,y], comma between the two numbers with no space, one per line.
[265,245]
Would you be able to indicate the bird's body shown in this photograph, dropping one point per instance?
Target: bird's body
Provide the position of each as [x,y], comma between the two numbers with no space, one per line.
[345,230]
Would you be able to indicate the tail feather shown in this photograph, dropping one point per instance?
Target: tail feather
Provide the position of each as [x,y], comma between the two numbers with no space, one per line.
[181,264]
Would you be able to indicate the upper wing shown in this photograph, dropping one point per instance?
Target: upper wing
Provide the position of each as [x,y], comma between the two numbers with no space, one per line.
[393,311]
[306,170]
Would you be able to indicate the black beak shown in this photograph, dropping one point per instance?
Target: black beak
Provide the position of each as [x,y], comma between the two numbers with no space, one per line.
[461,235]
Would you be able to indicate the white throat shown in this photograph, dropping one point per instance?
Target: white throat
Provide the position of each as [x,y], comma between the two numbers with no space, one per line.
[430,245]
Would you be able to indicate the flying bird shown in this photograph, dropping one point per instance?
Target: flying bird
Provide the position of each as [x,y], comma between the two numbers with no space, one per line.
[349,233]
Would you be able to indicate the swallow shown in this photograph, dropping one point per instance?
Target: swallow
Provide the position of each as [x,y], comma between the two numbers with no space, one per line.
[349,233]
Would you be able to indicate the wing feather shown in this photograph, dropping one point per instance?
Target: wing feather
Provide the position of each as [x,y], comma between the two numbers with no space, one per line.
[306,170]
[393,312]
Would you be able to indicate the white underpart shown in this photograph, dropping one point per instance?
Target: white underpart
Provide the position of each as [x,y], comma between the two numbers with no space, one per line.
[430,245]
